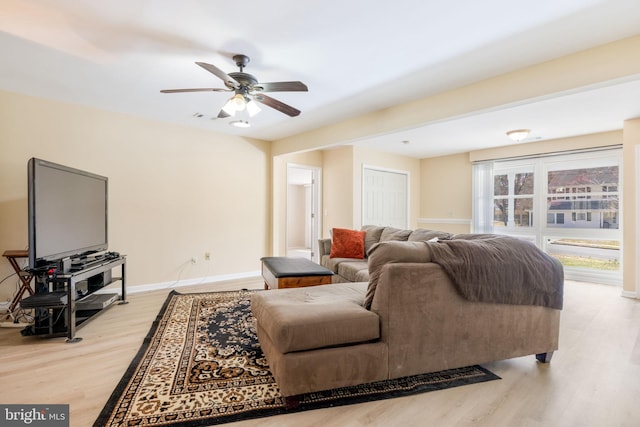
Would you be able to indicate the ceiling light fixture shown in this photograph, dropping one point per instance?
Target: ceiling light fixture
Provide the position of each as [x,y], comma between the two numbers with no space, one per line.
[252,108]
[234,104]
[518,134]
[240,102]
[240,123]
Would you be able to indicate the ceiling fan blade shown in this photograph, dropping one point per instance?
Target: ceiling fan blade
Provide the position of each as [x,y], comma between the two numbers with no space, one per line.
[278,105]
[282,87]
[203,89]
[227,79]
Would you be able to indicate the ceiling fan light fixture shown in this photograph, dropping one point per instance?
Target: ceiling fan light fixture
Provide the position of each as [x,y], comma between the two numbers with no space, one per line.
[235,104]
[229,107]
[518,134]
[252,108]
[239,102]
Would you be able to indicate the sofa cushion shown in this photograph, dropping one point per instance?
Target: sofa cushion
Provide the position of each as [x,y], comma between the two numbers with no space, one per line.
[347,243]
[390,233]
[333,264]
[371,237]
[425,235]
[350,269]
[391,252]
[315,317]
[362,275]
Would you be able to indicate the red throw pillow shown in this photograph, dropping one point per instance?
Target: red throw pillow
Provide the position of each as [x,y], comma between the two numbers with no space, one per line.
[347,243]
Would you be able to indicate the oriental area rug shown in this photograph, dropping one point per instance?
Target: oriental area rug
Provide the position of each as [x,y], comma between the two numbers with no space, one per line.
[201,364]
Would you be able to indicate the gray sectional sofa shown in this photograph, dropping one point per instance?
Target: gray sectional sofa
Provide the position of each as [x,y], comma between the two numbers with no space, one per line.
[356,270]
[412,317]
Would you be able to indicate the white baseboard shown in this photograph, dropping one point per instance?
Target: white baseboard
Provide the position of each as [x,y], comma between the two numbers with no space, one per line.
[191,282]
[630,294]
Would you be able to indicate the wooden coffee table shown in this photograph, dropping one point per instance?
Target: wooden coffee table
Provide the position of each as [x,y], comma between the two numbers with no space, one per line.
[289,272]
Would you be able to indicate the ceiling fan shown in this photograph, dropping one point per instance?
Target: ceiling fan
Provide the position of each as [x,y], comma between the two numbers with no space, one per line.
[247,90]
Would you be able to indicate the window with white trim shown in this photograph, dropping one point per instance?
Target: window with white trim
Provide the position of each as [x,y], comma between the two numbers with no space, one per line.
[568,204]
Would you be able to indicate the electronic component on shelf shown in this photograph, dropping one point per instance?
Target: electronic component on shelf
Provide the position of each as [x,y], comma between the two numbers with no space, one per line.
[96,301]
[45,299]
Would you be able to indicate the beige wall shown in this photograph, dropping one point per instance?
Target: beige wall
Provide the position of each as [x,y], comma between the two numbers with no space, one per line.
[174,192]
[631,156]
[445,193]
[338,192]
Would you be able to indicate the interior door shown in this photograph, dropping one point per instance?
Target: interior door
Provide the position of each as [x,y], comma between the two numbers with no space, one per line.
[303,207]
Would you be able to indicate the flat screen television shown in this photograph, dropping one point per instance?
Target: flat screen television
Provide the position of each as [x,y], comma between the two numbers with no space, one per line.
[67,212]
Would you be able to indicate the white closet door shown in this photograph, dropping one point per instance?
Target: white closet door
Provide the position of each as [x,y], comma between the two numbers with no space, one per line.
[385,197]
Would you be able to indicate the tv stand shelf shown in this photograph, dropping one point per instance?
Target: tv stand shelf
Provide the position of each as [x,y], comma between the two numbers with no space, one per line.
[62,298]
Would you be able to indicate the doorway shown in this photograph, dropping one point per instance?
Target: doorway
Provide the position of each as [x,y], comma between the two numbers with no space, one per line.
[303,207]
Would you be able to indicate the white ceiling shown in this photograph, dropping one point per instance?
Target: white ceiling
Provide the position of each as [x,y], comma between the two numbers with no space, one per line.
[355,56]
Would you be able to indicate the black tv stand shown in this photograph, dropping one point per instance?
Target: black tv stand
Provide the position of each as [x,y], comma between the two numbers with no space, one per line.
[63,301]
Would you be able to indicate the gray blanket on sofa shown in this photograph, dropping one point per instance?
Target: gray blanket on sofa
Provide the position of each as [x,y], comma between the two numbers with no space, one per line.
[500,269]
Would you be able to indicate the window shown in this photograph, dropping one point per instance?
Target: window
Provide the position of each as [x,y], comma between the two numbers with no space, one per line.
[594,195]
[555,218]
[513,191]
[569,205]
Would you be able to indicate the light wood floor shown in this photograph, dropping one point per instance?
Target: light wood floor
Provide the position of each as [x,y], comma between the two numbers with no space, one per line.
[593,380]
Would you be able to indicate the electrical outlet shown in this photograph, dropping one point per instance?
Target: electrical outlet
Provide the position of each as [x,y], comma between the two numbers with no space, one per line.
[207,256]
[194,260]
